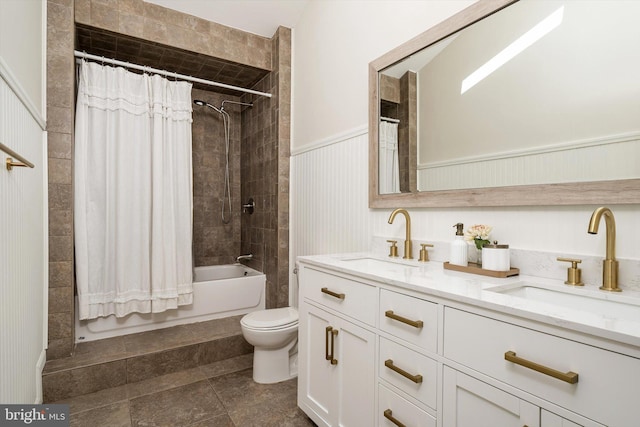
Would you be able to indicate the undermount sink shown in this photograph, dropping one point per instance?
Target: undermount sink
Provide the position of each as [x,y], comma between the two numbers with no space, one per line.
[613,306]
[377,263]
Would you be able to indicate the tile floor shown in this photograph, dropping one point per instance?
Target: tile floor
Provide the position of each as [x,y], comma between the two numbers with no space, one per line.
[220,394]
[134,358]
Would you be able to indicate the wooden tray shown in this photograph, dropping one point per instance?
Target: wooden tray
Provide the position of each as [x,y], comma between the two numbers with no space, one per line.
[473,268]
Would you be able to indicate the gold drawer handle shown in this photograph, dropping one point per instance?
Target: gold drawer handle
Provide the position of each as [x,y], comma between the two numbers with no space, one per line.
[415,378]
[388,414]
[418,324]
[569,377]
[333,294]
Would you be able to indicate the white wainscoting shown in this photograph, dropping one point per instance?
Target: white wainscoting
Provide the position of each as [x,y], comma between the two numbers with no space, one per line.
[595,160]
[23,248]
[329,198]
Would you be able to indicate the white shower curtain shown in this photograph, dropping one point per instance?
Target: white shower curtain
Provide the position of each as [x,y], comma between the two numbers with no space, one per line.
[133,192]
[389,171]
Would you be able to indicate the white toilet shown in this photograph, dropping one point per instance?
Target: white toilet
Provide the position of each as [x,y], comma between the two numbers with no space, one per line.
[274,335]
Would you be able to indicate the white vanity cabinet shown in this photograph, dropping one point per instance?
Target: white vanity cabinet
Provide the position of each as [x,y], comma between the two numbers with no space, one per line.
[336,357]
[416,357]
[355,337]
[578,377]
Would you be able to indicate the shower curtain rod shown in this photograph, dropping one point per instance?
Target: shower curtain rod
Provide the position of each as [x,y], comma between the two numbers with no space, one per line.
[389,119]
[102,59]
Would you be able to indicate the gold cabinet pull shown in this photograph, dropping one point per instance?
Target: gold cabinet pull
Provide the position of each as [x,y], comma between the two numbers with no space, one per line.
[388,414]
[415,378]
[332,358]
[327,332]
[333,294]
[568,377]
[328,354]
[418,324]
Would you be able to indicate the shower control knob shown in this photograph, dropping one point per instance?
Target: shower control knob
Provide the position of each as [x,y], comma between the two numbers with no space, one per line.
[248,207]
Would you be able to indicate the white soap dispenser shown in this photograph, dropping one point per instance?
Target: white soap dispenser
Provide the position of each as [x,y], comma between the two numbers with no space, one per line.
[458,255]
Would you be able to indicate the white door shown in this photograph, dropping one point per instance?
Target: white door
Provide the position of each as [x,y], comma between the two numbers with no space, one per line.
[355,356]
[336,380]
[468,402]
[317,377]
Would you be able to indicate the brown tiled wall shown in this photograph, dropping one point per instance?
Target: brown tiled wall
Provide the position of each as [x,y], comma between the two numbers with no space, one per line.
[282,72]
[148,21]
[265,174]
[137,18]
[60,101]
[214,242]
[408,132]
[389,89]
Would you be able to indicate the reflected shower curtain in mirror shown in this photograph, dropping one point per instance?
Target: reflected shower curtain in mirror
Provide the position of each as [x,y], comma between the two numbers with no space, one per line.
[132,192]
[389,171]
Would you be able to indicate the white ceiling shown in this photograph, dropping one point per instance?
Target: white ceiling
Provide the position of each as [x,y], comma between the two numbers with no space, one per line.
[260,17]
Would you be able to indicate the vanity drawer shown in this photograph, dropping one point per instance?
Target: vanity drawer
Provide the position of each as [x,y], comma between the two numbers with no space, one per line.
[606,379]
[355,299]
[411,319]
[407,413]
[418,376]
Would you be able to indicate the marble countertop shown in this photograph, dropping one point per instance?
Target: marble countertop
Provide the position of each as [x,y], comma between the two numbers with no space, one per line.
[431,278]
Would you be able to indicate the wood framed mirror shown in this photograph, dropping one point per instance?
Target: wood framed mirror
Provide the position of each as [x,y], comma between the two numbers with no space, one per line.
[600,167]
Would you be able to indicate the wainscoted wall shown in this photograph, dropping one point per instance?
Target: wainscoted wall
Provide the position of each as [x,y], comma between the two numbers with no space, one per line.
[329,193]
[330,214]
[571,162]
[353,42]
[22,251]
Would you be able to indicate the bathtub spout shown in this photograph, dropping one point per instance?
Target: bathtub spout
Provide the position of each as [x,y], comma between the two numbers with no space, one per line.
[241,257]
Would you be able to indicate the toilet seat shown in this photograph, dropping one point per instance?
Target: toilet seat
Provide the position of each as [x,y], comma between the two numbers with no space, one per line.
[276,318]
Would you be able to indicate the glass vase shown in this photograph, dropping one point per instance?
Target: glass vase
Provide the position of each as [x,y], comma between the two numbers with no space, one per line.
[479,257]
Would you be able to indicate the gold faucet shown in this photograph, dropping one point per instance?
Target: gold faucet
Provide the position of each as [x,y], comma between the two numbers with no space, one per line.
[408,252]
[609,265]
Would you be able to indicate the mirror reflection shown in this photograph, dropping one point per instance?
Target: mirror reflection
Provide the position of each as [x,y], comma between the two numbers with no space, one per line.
[540,92]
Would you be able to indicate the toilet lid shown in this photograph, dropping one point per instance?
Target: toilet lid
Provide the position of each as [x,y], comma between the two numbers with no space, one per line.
[272,318]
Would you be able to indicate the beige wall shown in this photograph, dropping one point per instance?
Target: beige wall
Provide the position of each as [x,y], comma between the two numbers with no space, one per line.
[21,50]
[334,42]
[558,90]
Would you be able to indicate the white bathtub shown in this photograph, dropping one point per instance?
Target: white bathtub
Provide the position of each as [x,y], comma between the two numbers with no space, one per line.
[218,291]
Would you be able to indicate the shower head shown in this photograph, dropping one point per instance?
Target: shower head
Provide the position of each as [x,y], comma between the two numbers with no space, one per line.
[206,104]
